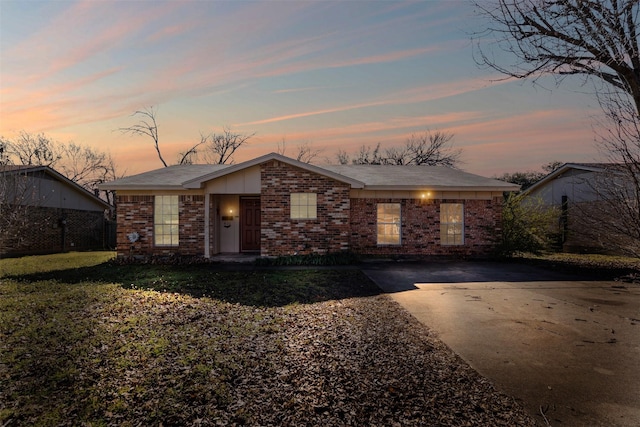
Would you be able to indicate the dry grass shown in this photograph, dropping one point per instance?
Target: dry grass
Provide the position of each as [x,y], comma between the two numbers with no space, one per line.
[596,265]
[307,347]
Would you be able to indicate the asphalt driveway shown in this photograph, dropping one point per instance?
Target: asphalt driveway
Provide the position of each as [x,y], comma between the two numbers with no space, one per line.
[567,347]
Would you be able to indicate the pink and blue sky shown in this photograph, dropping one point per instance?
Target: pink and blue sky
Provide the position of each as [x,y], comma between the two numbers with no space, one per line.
[333,74]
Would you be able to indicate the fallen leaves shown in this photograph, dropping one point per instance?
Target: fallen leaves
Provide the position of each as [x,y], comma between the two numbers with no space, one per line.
[143,357]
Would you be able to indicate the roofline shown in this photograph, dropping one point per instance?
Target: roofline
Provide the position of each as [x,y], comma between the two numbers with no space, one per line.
[24,168]
[19,168]
[506,188]
[198,182]
[562,169]
[127,187]
[54,173]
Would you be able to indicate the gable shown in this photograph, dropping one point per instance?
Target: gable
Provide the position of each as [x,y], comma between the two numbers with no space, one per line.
[243,181]
[573,180]
[200,181]
[42,186]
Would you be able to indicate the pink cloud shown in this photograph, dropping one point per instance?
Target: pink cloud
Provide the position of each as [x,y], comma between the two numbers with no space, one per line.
[526,141]
[410,96]
[80,33]
[324,63]
[170,31]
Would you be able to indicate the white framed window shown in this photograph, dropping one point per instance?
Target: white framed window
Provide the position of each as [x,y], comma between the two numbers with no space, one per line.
[451,224]
[166,222]
[304,206]
[388,224]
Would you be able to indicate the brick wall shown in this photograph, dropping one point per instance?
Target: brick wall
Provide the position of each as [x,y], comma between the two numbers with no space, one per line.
[50,230]
[284,236]
[420,227]
[135,213]
[191,225]
[342,223]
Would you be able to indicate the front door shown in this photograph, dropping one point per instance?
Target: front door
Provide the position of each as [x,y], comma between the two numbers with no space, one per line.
[249,224]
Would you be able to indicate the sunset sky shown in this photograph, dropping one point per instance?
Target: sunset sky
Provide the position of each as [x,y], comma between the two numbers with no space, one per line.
[333,74]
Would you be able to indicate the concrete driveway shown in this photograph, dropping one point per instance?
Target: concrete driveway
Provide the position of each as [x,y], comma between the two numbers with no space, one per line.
[565,346]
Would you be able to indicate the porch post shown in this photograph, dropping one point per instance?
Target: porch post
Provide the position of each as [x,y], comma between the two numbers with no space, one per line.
[207,209]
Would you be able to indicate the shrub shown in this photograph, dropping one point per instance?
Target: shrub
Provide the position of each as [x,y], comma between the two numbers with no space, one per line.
[527,226]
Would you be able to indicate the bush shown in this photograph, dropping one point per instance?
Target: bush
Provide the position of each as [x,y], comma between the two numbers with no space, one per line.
[527,226]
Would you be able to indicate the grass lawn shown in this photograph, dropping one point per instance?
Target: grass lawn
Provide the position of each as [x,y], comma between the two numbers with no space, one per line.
[87,342]
[606,267]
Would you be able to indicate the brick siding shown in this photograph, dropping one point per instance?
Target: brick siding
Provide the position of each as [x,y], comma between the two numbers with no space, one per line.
[420,227]
[283,236]
[51,230]
[191,211]
[342,223]
[135,213]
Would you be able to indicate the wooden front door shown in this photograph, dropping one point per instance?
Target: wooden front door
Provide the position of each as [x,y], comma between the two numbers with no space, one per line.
[249,224]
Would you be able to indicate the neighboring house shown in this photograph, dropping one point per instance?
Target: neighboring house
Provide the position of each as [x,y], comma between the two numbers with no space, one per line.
[44,212]
[584,195]
[273,205]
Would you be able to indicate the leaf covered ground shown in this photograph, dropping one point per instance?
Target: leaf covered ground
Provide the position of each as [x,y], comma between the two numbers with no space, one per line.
[184,346]
[605,267]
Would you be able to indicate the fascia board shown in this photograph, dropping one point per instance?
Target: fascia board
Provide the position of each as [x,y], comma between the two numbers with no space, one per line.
[562,169]
[139,187]
[440,188]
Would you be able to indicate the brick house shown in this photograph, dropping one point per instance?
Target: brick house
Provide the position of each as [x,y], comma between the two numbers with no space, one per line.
[273,205]
[42,211]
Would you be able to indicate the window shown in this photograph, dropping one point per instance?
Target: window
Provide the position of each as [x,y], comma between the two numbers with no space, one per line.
[388,223]
[165,221]
[304,206]
[451,224]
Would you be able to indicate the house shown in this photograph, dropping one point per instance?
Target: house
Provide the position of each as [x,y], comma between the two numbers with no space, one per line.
[42,211]
[591,202]
[273,206]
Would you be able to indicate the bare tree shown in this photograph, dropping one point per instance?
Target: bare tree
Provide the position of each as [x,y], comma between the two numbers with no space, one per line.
[523,179]
[612,218]
[598,40]
[30,149]
[366,155]
[4,153]
[147,126]
[528,178]
[342,157]
[190,156]
[281,147]
[220,148]
[305,153]
[18,195]
[84,165]
[12,210]
[592,38]
[552,166]
[109,173]
[428,149]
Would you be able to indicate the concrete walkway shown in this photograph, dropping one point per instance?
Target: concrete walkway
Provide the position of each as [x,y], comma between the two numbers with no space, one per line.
[566,347]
